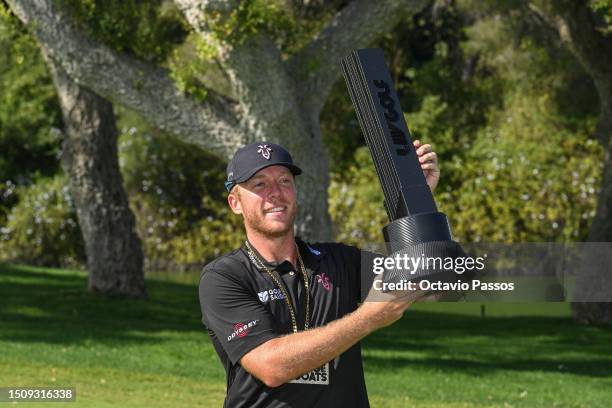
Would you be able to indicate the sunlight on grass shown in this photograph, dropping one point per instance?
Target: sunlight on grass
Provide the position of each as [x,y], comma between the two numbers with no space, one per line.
[155,352]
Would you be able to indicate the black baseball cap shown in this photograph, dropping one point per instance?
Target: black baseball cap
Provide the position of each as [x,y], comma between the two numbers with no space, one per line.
[256,156]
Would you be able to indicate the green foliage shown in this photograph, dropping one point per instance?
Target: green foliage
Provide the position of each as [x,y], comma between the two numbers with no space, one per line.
[527,178]
[340,129]
[249,18]
[517,160]
[281,21]
[253,16]
[8,199]
[524,178]
[147,29]
[444,104]
[42,227]
[604,9]
[507,110]
[29,111]
[192,65]
[189,65]
[356,202]
[176,192]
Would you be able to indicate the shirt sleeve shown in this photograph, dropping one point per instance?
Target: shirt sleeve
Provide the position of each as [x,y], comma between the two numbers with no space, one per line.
[234,313]
[366,272]
[360,270]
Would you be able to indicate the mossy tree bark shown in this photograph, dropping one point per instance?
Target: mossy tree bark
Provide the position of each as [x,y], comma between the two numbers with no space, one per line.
[89,158]
[273,98]
[577,27]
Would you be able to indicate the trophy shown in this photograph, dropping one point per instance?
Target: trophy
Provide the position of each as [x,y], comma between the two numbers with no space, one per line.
[415,228]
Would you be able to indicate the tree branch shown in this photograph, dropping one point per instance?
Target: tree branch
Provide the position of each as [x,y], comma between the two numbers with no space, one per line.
[141,86]
[356,26]
[576,28]
[255,69]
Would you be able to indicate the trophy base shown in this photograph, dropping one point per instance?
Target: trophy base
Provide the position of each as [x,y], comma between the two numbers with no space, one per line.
[416,229]
[425,238]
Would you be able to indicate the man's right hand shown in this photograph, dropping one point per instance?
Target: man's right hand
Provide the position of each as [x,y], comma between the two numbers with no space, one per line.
[382,309]
[286,357]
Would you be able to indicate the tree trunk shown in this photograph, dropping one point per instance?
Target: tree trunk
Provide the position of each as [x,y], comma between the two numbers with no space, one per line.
[576,26]
[274,108]
[589,285]
[89,158]
[274,98]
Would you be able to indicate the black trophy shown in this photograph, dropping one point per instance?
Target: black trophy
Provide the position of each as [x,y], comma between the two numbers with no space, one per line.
[416,228]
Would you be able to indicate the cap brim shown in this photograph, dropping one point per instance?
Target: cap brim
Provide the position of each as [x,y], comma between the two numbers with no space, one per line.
[295,170]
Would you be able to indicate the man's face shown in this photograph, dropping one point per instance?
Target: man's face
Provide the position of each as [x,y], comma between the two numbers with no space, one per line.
[267,201]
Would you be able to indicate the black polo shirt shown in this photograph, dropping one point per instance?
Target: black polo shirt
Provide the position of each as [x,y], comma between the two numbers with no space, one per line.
[242,308]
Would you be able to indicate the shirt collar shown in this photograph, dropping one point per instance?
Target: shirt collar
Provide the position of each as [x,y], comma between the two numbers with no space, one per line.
[311,255]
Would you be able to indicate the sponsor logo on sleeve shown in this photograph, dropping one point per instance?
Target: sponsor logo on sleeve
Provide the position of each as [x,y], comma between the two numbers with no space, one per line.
[318,376]
[241,330]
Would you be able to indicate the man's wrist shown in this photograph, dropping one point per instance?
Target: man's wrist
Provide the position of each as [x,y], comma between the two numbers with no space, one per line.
[364,320]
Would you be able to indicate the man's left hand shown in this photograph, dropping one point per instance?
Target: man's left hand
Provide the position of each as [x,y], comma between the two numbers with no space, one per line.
[429,163]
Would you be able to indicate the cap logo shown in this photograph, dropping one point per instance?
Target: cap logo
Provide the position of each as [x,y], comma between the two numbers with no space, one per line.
[265,151]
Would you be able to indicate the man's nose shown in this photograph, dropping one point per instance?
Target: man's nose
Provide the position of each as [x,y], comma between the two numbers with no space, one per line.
[275,190]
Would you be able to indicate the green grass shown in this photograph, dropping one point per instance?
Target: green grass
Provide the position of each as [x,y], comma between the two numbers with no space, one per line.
[155,353]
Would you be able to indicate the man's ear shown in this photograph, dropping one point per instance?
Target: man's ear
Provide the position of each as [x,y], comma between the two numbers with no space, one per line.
[233,199]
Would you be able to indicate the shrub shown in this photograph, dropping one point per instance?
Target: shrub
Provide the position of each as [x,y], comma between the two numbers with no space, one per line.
[526,177]
[42,227]
[176,192]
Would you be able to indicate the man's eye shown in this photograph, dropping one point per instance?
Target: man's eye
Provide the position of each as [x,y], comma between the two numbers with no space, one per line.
[259,185]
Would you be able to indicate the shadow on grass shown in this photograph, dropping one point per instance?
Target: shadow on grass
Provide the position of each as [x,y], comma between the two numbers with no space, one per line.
[53,306]
[476,345]
[591,368]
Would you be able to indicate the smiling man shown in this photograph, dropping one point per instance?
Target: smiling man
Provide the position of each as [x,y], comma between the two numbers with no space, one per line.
[284,315]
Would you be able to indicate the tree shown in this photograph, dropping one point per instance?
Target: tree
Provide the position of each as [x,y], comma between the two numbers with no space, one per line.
[29,113]
[580,29]
[276,94]
[89,158]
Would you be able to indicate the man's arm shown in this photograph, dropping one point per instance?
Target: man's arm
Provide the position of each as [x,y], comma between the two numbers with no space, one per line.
[285,358]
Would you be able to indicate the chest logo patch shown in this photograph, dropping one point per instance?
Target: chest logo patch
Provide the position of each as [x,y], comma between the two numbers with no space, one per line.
[263,296]
[324,280]
[270,295]
[318,376]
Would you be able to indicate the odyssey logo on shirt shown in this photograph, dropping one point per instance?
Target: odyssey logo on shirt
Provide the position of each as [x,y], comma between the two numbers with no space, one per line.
[270,295]
[241,329]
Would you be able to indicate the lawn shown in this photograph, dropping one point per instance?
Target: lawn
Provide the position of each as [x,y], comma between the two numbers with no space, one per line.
[154,353]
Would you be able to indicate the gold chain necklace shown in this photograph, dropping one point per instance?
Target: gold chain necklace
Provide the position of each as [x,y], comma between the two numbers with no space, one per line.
[256,260]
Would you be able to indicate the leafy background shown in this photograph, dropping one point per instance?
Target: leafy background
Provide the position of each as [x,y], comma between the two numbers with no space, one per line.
[510,113]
